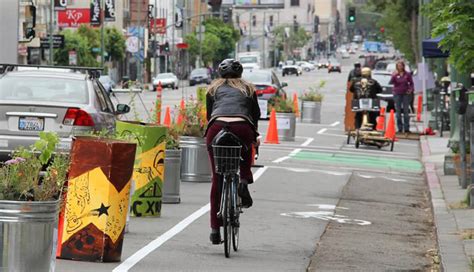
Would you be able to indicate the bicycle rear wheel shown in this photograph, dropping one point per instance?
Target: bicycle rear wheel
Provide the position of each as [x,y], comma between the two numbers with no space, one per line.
[236,216]
[226,218]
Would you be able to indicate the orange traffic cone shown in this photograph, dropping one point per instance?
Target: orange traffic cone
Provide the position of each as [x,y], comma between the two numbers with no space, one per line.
[381,120]
[390,132]
[167,121]
[419,108]
[296,105]
[272,131]
[182,108]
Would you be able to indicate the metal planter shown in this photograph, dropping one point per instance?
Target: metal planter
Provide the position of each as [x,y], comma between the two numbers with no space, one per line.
[195,165]
[311,112]
[172,181]
[286,124]
[28,232]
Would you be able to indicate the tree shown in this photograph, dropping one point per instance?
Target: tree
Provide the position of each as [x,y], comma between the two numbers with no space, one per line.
[400,22]
[114,44]
[218,41]
[75,42]
[454,21]
[296,40]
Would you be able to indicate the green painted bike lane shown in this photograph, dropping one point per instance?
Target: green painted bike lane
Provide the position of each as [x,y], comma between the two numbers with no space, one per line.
[361,161]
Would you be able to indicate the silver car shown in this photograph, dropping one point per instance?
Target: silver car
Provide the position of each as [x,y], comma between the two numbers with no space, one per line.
[66,101]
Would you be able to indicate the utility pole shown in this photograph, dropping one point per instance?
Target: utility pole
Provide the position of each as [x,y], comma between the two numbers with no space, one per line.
[173,44]
[263,40]
[51,29]
[139,64]
[200,37]
[102,22]
[157,68]
[249,46]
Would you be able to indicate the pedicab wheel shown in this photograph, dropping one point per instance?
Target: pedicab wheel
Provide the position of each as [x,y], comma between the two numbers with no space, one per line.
[357,140]
[391,145]
[349,137]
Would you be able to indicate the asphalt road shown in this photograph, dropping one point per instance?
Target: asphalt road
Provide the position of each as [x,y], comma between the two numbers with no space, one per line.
[318,203]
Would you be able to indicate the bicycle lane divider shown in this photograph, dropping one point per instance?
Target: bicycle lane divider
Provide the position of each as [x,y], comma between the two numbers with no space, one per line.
[292,153]
[160,240]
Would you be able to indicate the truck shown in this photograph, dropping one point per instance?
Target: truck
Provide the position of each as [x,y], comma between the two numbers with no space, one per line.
[250,60]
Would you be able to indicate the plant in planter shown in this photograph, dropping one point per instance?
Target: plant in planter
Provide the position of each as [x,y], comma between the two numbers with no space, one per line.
[195,166]
[286,118]
[29,205]
[172,181]
[311,104]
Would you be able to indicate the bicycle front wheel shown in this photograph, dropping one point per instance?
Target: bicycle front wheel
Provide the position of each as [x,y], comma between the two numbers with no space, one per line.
[226,218]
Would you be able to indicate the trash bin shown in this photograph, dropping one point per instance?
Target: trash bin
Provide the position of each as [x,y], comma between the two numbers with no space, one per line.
[92,224]
[149,166]
[195,165]
[172,182]
[286,124]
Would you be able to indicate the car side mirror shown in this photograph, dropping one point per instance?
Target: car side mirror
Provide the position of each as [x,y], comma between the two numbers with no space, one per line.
[122,109]
[284,84]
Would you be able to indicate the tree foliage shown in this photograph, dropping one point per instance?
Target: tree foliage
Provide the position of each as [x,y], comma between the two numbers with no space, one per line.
[454,20]
[218,41]
[400,19]
[296,40]
[84,39]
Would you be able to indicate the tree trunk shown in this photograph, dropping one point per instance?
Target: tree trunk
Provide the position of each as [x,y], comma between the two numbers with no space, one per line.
[414,35]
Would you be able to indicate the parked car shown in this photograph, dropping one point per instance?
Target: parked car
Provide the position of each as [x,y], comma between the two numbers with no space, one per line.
[383,78]
[66,101]
[266,82]
[334,66]
[168,80]
[391,67]
[200,75]
[345,55]
[323,63]
[107,82]
[306,66]
[291,70]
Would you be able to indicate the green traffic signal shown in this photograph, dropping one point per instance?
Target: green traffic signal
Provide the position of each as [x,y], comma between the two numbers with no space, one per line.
[351,18]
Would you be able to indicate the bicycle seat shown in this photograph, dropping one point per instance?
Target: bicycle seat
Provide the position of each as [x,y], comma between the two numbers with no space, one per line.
[227,138]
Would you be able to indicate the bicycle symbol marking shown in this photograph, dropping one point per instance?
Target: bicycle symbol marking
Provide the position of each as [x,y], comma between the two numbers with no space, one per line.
[327,214]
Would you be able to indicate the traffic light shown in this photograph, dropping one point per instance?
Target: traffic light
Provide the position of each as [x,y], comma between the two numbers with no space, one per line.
[166,47]
[352,15]
[316,24]
[227,15]
[295,26]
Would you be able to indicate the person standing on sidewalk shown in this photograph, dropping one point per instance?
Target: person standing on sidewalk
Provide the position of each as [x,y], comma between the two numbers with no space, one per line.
[402,89]
[349,116]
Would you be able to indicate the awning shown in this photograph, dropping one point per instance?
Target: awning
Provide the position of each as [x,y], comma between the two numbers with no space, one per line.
[431,49]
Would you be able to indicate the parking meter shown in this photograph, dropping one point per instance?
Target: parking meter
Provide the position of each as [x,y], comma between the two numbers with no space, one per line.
[453,119]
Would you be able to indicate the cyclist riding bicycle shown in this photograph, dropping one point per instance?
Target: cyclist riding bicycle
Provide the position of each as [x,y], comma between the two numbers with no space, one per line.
[231,103]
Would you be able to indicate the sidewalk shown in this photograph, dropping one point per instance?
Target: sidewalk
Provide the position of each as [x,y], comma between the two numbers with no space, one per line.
[454,222]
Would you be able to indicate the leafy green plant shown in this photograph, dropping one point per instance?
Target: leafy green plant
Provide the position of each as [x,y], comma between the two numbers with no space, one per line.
[281,104]
[313,94]
[172,138]
[194,121]
[22,178]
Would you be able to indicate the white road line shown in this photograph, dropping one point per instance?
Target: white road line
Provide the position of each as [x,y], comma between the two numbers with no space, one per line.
[281,159]
[321,131]
[294,152]
[307,142]
[160,240]
[335,124]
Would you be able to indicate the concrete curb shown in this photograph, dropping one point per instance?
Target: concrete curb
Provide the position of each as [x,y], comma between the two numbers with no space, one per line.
[451,248]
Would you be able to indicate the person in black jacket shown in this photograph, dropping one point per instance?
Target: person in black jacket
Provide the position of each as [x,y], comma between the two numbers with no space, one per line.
[365,87]
[231,102]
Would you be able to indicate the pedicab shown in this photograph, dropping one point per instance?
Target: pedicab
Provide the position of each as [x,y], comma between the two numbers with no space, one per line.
[366,135]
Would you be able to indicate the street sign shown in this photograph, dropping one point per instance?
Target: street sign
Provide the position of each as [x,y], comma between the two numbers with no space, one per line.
[58,41]
[73,17]
[60,4]
[109,13]
[158,26]
[72,57]
[132,44]
[182,46]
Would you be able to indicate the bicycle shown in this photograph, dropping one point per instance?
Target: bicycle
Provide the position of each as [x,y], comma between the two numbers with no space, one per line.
[227,164]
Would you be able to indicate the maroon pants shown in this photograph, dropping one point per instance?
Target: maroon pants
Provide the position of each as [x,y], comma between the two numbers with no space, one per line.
[246,133]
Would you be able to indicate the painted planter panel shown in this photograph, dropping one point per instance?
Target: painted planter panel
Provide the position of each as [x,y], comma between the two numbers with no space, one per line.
[172,184]
[311,112]
[286,124]
[92,224]
[148,172]
[32,228]
[195,165]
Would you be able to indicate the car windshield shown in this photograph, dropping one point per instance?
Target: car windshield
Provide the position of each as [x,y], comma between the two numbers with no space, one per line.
[199,72]
[29,88]
[163,76]
[257,77]
[105,79]
[248,59]
[391,68]
[382,79]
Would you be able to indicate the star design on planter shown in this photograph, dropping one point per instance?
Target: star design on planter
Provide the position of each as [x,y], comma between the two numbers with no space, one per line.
[102,210]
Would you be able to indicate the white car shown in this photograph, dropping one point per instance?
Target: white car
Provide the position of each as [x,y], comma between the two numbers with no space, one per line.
[167,80]
[345,55]
[250,66]
[306,66]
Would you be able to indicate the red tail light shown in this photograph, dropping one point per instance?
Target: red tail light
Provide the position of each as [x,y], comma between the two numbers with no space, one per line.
[266,90]
[78,117]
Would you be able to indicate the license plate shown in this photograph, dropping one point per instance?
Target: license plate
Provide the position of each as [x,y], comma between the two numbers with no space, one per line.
[31,123]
